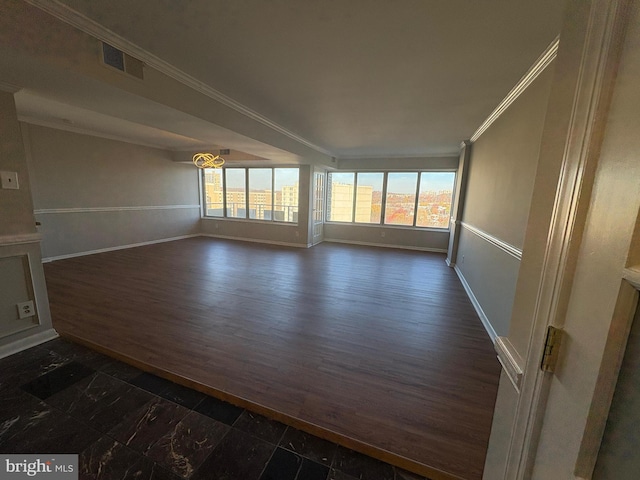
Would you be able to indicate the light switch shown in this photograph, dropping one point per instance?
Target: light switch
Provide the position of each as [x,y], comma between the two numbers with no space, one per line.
[9,180]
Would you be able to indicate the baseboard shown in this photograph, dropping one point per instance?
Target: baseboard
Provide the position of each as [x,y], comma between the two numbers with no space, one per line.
[27,342]
[476,305]
[119,247]
[255,240]
[386,245]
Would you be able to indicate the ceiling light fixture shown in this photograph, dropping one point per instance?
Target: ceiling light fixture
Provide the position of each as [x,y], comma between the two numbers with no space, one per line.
[208,160]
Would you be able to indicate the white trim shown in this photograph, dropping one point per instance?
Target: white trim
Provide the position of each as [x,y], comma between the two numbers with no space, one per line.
[255,240]
[538,67]
[90,27]
[27,342]
[19,239]
[47,211]
[386,245]
[632,275]
[510,360]
[476,305]
[119,247]
[496,242]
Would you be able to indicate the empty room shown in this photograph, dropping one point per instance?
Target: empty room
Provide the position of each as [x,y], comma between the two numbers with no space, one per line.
[319,240]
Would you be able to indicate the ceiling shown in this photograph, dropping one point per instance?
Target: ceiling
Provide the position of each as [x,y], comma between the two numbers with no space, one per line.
[351,79]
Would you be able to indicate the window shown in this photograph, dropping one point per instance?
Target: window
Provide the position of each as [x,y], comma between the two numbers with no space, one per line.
[214,192]
[236,192]
[252,193]
[260,193]
[434,200]
[340,197]
[412,199]
[401,198]
[369,197]
[286,195]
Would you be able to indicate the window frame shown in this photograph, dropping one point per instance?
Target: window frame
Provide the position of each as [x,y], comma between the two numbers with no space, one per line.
[383,205]
[246,218]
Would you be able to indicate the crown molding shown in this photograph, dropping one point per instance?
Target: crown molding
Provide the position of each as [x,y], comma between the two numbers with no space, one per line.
[93,28]
[538,67]
[397,157]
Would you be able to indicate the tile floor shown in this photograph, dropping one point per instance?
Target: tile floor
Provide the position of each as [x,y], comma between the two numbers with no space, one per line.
[125,424]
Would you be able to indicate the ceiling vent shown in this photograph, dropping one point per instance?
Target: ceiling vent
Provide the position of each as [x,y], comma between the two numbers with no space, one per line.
[121,61]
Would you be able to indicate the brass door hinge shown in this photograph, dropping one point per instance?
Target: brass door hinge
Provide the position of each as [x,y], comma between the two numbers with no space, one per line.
[551,349]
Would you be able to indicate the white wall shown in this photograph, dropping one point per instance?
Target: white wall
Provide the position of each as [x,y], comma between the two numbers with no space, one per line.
[92,193]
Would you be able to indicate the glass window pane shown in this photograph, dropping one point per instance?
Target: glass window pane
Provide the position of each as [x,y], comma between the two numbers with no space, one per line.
[401,198]
[285,207]
[260,198]
[236,198]
[213,192]
[434,202]
[340,197]
[369,197]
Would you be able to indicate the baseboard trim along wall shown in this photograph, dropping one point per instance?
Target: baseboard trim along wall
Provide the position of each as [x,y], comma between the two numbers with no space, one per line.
[386,245]
[119,247]
[495,241]
[27,342]
[476,305]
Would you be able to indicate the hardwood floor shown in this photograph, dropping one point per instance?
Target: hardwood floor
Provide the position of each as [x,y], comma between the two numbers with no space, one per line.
[378,349]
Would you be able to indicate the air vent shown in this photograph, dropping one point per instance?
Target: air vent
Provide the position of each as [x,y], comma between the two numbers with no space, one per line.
[225,151]
[118,59]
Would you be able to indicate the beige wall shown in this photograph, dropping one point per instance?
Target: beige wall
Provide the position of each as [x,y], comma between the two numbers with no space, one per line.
[21,274]
[16,207]
[500,180]
[91,193]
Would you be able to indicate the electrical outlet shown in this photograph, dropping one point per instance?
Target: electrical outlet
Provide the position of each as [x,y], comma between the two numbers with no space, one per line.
[9,180]
[26,309]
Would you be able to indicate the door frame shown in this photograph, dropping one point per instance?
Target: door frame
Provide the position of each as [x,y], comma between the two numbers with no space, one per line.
[318,200]
[591,44]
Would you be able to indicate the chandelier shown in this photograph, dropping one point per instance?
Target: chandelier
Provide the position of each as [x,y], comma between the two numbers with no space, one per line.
[207,160]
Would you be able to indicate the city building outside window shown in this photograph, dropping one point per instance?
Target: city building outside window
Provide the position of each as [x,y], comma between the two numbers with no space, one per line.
[411,199]
[269,194]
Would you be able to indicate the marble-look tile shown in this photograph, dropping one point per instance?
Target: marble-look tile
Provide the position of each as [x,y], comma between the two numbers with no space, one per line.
[24,366]
[108,459]
[283,465]
[219,410]
[120,370]
[144,427]
[101,401]
[262,427]
[311,470]
[151,383]
[183,449]
[70,351]
[309,446]
[44,429]
[338,475]
[57,380]
[239,456]
[360,466]
[184,396]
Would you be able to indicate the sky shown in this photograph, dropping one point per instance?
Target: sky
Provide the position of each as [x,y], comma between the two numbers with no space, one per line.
[401,182]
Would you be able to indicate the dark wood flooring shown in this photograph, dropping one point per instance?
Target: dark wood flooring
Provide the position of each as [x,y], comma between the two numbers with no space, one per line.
[377,349]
